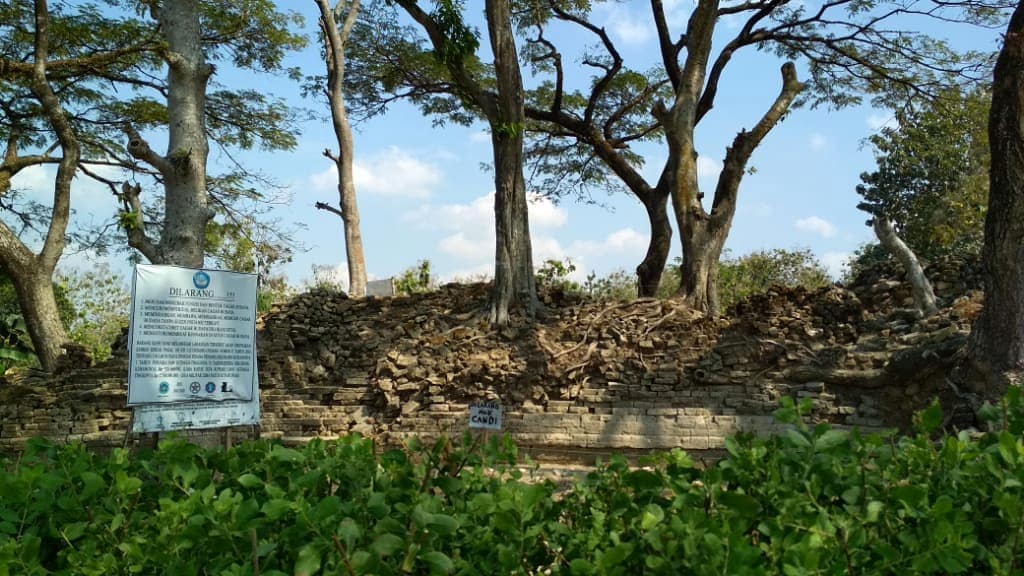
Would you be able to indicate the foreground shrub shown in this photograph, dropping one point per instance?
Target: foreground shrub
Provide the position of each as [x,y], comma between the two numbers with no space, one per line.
[812,501]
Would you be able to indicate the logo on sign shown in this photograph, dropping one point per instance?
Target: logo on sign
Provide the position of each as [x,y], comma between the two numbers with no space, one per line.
[165,387]
[195,387]
[201,280]
[210,387]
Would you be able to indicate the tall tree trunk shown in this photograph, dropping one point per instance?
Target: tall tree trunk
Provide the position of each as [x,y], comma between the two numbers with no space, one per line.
[38,304]
[997,338]
[349,210]
[924,297]
[514,281]
[183,168]
[32,274]
[702,249]
[184,231]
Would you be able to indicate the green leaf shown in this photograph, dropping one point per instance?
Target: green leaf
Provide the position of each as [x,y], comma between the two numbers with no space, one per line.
[349,530]
[989,413]
[361,561]
[744,504]
[376,505]
[439,562]
[92,484]
[281,454]
[797,438]
[308,561]
[1008,448]
[652,515]
[874,508]
[654,561]
[851,495]
[74,531]
[327,508]
[250,481]
[274,509]
[387,544]
[830,439]
[581,567]
[929,419]
[442,524]
[615,556]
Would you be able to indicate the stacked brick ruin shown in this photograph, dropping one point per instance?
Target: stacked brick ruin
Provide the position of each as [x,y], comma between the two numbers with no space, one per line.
[584,378]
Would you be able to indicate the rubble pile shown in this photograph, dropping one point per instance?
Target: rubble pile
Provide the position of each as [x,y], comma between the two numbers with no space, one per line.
[885,285]
[580,377]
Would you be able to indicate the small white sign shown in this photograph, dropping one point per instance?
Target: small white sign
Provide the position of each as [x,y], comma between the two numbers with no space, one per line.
[385,287]
[192,335]
[485,415]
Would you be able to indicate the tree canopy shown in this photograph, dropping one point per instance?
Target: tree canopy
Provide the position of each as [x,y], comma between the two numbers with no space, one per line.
[931,178]
[582,133]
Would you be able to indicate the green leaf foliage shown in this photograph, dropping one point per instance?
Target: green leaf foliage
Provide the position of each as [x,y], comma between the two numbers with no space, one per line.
[815,500]
[931,178]
[757,272]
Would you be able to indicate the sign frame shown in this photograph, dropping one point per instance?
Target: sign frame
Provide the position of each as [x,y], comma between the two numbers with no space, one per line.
[177,312]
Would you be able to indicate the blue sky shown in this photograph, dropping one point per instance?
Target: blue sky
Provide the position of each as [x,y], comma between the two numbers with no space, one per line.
[423,194]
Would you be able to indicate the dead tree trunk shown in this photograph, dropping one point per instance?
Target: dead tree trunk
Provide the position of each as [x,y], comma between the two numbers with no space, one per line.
[924,297]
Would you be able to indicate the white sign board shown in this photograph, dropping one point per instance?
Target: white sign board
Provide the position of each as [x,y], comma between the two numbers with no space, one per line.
[192,336]
[193,415]
[385,287]
[485,415]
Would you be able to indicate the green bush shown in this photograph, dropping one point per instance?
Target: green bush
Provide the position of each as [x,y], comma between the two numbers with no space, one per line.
[619,286]
[415,280]
[755,273]
[814,500]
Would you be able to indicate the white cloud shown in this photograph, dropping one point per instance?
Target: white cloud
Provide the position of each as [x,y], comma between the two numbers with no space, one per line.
[818,142]
[463,247]
[480,137]
[708,168]
[630,30]
[677,12]
[478,215]
[836,263]
[625,241]
[471,227]
[86,193]
[879,121]
[816,225]
[626,26]
[469,237]
[546,214]
[546,248]
[33,179]
[389,172]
